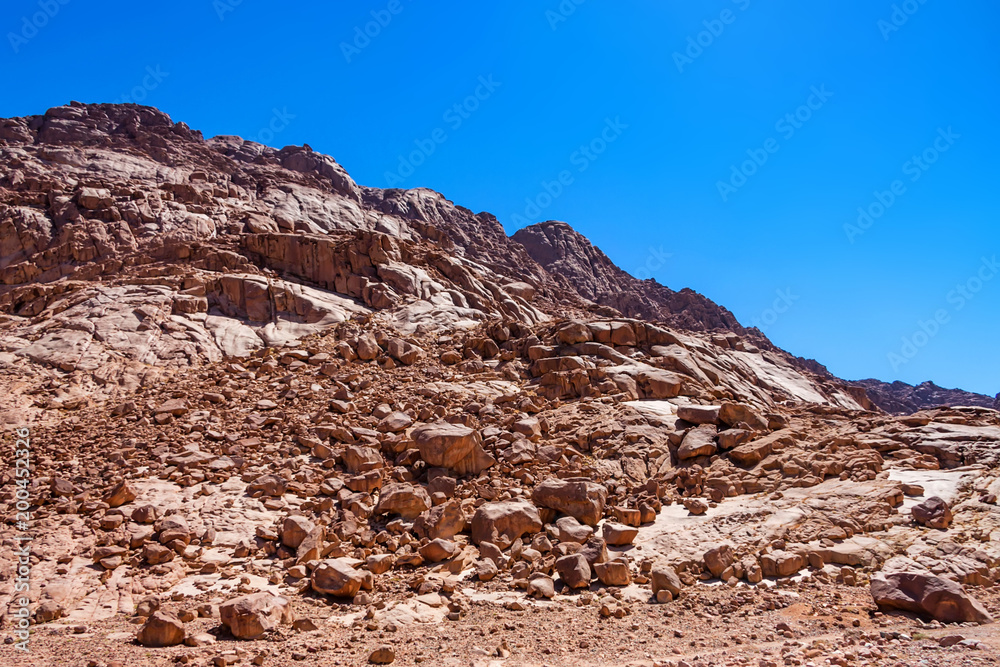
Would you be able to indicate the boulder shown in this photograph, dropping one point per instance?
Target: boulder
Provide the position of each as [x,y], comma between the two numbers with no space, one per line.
[569,529]
[699,441]
[733,437]
[403,352]
[933,513]
[699,414]
[618,535]
[438,550]
[503,522]
[574,570]
[929,596]
[613,572]
[407,500]
[395,422]
[595,550]
[579,498]
[452,446]
[718,559]
[444,521]
[335,577]
[121,494]
[358,459]
[383,655]
[695,506]
[733,414]
[161,629]
[780,563]
[541,586]
[294,530]
[664,578]
[250,616]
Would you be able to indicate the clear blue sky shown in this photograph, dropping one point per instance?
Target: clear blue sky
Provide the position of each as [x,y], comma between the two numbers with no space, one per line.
[226,66]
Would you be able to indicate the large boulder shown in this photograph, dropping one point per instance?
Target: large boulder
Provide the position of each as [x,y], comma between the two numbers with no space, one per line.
[295,529]
[933,513]
[503,522]
[734,414]
[718,559]
[699,414]
[444,521]
[337,578]
[250,616]
[699,441]
[574,570]
[664,578]
[780,563]
[358,459]
[579,498]
[161,629]
[453,446]
[617,534]
[407,500]
[929,596]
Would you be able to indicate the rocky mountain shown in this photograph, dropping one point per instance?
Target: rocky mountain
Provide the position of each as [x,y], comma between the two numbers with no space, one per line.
[901,398]
[271,416]
[566,253]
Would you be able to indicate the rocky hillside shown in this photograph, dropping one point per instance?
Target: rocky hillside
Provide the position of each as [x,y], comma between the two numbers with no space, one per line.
[567,254]
[276,417]
[900,398]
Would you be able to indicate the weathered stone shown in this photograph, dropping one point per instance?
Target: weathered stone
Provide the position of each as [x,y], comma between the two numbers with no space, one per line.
[406,500]
[161,629]
[933,513]
[582,499]
[250,616]
[930,596]
[501,523]
[335,577]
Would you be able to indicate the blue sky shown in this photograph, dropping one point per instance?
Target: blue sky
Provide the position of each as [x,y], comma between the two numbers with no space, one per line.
[684,93]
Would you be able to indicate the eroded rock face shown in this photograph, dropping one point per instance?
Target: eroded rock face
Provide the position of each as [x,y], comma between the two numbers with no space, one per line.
[929,596]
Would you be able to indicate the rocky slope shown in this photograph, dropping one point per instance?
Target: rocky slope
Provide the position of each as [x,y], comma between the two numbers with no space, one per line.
[901,398]
[278,418]
[566,253]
